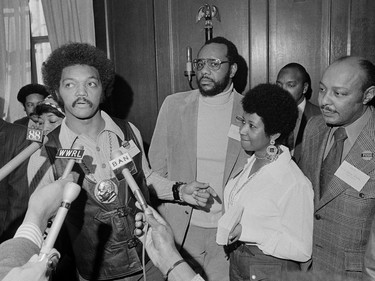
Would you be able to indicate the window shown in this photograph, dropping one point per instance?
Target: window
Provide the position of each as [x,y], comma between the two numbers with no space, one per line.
[39,44]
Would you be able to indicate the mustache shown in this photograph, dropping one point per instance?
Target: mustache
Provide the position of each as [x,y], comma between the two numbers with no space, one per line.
[326,108]
[205,77]
[82,100]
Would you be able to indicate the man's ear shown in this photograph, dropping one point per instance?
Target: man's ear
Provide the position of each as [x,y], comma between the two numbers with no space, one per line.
[305,87]
[369,95]
[233,70]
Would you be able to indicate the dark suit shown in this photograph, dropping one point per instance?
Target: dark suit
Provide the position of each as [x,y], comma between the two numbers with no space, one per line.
[13,188]
[310,111]
[343,215]
[24,121]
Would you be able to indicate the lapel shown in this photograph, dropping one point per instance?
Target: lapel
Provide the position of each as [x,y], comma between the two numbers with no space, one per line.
[317,140]
[364,142]
[234,146]
[3,159]
[189,117]
[4,150]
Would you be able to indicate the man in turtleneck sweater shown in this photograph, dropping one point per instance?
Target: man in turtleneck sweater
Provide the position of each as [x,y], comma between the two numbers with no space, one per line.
[197,138]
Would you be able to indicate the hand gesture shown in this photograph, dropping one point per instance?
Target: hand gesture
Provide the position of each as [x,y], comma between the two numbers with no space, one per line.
[197,194]
[157,237]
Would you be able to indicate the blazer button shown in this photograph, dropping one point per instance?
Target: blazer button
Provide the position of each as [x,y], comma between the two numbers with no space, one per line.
[361,195]
[187,212]
[318,217]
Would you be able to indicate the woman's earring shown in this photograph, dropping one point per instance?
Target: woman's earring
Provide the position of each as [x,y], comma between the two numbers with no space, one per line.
[272,150]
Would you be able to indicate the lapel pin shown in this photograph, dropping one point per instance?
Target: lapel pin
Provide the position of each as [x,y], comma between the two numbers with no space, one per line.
[367,155]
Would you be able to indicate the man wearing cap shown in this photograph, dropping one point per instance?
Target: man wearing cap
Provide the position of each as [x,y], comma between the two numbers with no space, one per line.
[30,95]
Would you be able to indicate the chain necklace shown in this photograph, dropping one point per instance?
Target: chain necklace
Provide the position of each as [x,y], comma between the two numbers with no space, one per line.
[106,190]
[88,172]
[268,157]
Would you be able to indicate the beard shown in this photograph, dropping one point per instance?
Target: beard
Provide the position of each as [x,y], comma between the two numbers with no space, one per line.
[217,88]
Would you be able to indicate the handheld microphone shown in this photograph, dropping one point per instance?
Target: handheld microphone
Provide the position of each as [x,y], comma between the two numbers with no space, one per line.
[73,154]
[119,162]
[22,156]
[71,192]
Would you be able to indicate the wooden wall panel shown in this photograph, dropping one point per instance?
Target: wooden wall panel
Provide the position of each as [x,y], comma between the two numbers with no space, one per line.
[295,36]
[259,42]
[133,51]
[340,29]
[186,32]
[363,29]
[148,40]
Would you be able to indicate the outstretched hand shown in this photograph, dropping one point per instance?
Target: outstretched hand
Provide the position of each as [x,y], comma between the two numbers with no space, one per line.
[197,193]
[157,237]
[45,201]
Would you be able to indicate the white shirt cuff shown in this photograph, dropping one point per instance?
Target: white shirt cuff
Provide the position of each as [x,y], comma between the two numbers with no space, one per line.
[30,231]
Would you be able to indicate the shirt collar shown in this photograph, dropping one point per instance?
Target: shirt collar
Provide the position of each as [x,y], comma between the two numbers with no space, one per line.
[67,136]
[302,105]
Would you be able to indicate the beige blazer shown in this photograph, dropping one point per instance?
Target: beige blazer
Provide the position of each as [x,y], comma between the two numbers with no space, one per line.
[173,151]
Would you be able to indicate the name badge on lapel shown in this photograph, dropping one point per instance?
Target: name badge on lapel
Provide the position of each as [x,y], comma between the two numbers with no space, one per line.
[352,175]
[130,147]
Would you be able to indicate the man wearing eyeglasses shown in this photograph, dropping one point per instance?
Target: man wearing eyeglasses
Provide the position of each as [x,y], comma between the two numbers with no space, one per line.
[197,138]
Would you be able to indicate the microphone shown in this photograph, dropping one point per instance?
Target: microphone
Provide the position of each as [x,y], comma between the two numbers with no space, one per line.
[22,156]
[73,154]
[119,163]
[71,192]
[189,68]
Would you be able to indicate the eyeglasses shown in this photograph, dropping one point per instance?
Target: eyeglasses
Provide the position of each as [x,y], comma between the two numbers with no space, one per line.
[213,64]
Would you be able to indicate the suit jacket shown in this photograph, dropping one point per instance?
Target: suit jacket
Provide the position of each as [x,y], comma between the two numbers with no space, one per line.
[13,188]
[369,263]
[173,151]
[14,253]
[343,215]
[24,121]
[310,111]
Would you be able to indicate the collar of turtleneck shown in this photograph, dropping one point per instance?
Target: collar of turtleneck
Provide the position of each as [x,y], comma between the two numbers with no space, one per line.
[221,98]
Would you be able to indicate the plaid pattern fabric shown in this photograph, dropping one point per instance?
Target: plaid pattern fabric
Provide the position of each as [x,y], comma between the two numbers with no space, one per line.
[343,215]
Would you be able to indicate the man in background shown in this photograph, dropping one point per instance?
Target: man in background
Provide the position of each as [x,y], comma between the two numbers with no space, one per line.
[29,96]
[294,78]
[338,158]
[197,138]
[13,188]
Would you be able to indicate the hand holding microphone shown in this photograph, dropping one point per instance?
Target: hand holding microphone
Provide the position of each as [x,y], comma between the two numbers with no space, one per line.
[71,192]
[118,163]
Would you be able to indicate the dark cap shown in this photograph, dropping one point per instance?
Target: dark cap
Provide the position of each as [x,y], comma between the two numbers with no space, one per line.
[31,89]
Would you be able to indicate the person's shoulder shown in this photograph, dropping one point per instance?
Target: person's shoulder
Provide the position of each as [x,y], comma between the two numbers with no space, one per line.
[315,123]
[312,109]
[237,94]
[13,129]
[181,95]
[22,121]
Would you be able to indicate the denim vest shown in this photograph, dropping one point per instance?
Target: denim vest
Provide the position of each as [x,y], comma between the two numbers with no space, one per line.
[102,234]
